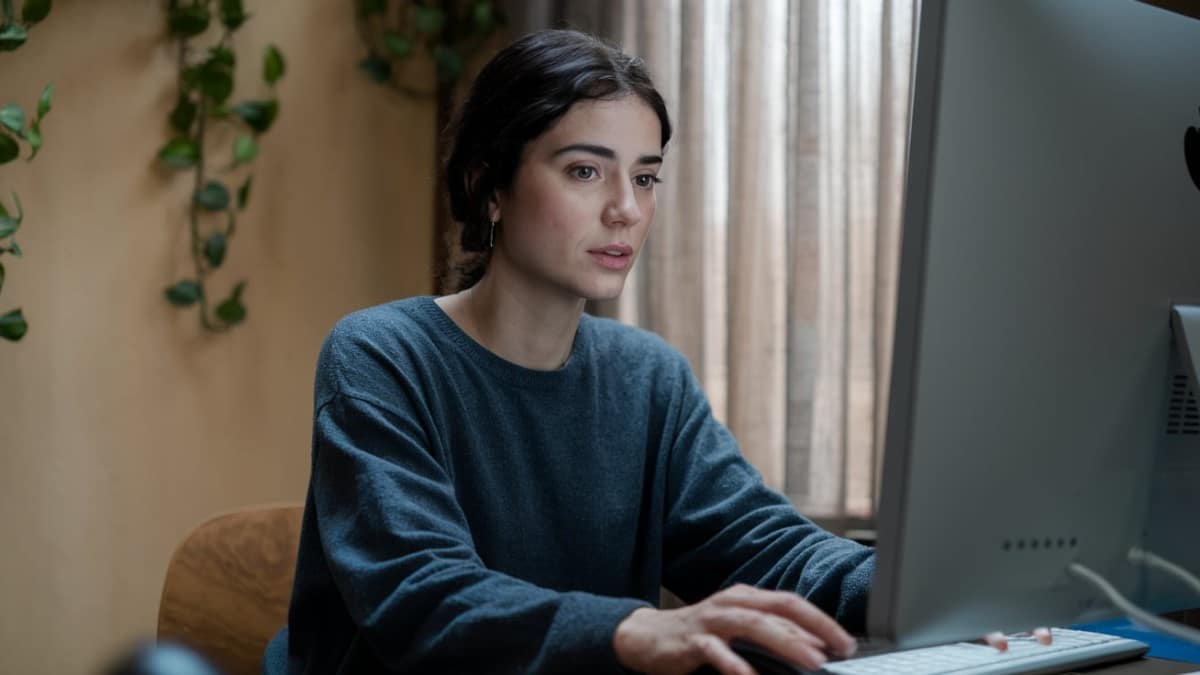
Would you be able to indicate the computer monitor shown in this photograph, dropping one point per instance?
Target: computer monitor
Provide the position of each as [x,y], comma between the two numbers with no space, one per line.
[1040,413]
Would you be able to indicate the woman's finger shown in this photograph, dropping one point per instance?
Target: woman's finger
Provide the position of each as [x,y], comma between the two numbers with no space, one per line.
[789,605]
[769,632]
[718,654]
[732,621]
[1043,636]
[998,640]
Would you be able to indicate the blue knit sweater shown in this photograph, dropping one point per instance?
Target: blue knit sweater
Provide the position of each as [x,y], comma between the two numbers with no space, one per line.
[468,515]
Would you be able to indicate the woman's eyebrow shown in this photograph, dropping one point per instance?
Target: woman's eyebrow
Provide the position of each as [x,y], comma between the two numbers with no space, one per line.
[599,150]
[606,153]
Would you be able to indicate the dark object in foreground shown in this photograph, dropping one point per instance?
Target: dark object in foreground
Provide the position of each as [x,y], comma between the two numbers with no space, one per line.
[161,659]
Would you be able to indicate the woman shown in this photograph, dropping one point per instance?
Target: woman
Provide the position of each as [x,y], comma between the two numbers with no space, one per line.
[500,482]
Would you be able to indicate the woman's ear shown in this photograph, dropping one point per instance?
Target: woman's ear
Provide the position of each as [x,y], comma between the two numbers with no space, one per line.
[470,178]
[494,208]
[493,203]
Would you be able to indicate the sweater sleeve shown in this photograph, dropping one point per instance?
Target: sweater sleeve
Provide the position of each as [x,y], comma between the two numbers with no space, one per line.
[725,526]
[400,552]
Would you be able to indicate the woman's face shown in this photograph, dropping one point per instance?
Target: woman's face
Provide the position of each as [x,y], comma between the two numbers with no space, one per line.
[582,200]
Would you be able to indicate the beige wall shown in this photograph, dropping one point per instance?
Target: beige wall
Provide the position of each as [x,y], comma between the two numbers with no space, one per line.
[121,424]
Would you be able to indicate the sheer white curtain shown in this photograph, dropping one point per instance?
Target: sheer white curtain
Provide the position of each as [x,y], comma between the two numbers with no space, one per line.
[773,258]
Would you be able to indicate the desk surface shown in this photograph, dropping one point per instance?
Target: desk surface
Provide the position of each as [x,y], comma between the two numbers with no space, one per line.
[1144,667]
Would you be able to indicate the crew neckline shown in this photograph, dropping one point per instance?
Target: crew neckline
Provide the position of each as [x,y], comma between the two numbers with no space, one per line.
[500,366]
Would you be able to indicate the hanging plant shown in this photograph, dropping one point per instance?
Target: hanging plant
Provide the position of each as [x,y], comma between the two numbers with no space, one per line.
[16,129]
[206,83]
[403,37]
[449,32]
[15,30]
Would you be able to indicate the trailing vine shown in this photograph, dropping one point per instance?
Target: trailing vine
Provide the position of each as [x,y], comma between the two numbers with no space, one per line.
[403,37]
[15,129]
[448,31]
[205,85]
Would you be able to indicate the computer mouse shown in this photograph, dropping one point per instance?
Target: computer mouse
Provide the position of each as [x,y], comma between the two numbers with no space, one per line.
[760,659]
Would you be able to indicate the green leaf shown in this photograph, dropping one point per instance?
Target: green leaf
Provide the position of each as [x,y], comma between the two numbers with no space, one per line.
[400,46]
[9,225]
[12,36]
[220,57]
[1,276]
[189,20]
[484,17]
[244,149]
[376,68]
[184,294]
[13,117]
[233,15]
[3,211]
[273,64]
[13,326]
[184,114]
[368,7]
[191,75]
[214,249]
[9,150]
[180,153]
[231,310]
[259,115]
[15,250]
[213,77]
[214,196]
[430,20]
[243,195]
[34,11]
[44,101]
[35,139]
[449,64]
[216,84]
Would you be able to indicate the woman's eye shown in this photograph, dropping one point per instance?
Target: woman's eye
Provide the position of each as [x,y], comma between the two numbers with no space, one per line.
[646,180]
[584,172]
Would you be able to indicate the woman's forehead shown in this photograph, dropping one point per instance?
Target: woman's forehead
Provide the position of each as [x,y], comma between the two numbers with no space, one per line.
[628,126]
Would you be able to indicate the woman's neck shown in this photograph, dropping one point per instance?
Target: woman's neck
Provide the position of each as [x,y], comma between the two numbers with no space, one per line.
[531,327]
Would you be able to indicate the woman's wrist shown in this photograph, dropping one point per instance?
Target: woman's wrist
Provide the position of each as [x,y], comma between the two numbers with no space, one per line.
[627,636]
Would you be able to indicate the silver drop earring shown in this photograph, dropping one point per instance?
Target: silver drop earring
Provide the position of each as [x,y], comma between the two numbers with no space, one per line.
[492,235]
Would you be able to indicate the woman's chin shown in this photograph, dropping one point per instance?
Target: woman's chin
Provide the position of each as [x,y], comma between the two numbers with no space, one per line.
[608,291]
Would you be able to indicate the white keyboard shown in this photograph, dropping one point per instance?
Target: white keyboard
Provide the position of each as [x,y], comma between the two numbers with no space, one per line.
[1070,649]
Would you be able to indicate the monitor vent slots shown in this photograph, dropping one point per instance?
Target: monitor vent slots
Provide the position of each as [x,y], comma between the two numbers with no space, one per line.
[1183,414]
[1038,543]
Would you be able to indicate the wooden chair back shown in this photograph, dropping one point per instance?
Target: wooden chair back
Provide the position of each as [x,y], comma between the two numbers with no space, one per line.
[229,583]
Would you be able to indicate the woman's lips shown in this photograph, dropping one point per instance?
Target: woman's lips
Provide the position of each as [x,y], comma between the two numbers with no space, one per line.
[613,256]
[612,262]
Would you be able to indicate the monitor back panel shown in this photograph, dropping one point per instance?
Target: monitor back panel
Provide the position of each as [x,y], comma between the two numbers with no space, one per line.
[1050,223]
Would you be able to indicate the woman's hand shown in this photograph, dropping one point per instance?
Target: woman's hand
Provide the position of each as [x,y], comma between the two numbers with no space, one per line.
[678,641]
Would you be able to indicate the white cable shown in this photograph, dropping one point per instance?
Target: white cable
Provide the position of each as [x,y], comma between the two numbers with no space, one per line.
[1138,556]
[1131,610]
